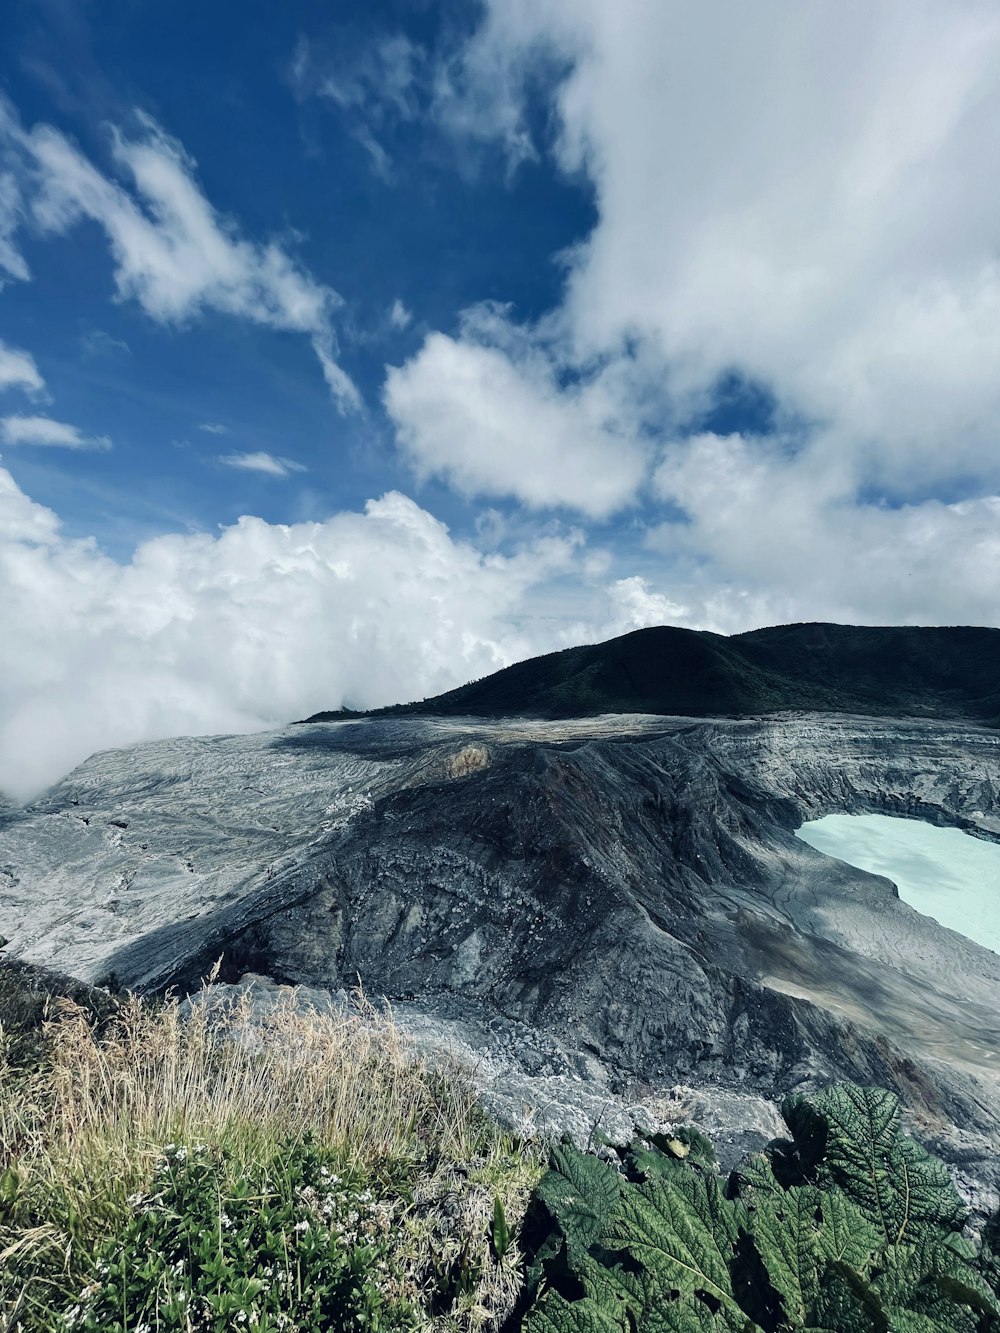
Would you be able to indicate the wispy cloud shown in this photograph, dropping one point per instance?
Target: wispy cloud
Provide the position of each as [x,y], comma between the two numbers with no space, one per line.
[399,316]
[96,343]
[214,428]
[173,252]
[18,370]
[12,262]
[45,431]
[381,84]
[262,462]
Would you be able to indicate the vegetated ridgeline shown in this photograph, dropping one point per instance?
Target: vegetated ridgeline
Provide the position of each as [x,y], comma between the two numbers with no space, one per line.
[894,671]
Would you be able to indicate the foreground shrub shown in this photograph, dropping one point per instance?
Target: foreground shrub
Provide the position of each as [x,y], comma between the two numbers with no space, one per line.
[102,1228]
[849,1226]
[296,1243]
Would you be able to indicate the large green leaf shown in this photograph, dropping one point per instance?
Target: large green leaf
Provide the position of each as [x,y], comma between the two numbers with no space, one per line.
[785,1229]
[845,1234]
[684,1237]
[848,1227]
[846,1304]
[796,1161]
[581,1192]
[897,1185]
[938,1282]
[554,1314]
[690,1314]
[752,1177]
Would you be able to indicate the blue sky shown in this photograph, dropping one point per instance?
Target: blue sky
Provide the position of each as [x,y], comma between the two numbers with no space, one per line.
[437,228]
[350,351]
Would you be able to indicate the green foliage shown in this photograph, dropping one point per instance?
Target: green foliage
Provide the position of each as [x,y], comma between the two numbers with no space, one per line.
[848,1226]
[902,1189]
[500,1231]
[296,1244]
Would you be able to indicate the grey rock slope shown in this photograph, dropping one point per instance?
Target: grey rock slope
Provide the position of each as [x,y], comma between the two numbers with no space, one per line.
[627,892]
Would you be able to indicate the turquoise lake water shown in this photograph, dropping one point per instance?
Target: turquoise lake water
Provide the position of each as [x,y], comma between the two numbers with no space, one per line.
[942,872]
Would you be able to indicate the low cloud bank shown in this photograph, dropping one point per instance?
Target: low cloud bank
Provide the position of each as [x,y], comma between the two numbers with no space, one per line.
[262,623]
[248,629]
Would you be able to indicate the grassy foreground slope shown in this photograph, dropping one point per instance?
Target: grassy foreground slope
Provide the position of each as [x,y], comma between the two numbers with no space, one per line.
[173,1168]
[302,1172]
[945,673]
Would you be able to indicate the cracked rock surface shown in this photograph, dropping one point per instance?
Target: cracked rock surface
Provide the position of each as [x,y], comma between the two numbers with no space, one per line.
[619,902]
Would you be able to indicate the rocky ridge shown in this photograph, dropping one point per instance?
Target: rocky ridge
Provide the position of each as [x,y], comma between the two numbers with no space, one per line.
[617,904]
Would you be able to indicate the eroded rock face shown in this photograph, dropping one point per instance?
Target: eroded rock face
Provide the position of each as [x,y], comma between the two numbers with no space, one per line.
[629,888]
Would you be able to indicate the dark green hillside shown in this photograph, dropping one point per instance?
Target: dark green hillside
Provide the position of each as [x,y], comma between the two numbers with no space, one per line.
[882,671]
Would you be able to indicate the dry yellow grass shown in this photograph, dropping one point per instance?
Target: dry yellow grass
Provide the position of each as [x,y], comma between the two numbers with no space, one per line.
[85,1132]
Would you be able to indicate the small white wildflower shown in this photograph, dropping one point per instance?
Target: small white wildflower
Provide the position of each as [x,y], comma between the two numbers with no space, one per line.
[301,1226]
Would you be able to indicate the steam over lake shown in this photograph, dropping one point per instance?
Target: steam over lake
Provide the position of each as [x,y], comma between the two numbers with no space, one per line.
[942,872]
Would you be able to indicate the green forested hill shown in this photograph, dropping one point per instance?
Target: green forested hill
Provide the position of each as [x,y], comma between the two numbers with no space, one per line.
[884,671]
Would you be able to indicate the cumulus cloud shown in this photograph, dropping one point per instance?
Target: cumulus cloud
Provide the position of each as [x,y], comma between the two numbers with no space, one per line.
[246,629]
[635,605]
[802,205]
[800,201]
[767,539]
[173,252]
[44,431]
[262,462]
[18,370]
[494,420]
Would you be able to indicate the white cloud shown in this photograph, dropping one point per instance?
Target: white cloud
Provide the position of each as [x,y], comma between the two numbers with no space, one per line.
[253,627]
[173,252]
[636,606]
[214,428]
[800,201]
[493,420]
[262,462]
[18,370]
[16,430]
[264,622]
[768,540]
[399,316]
[12,262]
[97,343]
[371,86]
